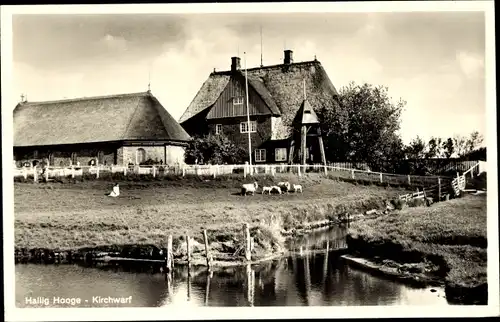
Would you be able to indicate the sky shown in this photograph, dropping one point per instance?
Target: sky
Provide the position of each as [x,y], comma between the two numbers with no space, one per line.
[435,61]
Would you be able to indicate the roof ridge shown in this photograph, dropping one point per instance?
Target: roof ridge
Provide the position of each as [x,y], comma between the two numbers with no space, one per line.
[269,67]
[88,98]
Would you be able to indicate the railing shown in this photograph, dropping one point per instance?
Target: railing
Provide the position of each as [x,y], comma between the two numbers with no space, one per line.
[218,170]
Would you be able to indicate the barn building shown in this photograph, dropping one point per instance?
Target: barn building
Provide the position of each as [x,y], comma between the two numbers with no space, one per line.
[113,130]
[282,103]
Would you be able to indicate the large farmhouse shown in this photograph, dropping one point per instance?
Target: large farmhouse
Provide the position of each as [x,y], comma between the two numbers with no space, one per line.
[282,103]
[113,130]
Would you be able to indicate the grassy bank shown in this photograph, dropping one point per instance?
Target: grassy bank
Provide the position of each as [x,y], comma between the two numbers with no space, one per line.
[77,215]
[445,242]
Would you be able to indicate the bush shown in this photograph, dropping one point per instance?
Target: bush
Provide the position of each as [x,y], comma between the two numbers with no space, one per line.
[214,149]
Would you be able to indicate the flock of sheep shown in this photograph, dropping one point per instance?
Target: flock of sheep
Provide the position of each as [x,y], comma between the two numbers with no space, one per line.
[281,187]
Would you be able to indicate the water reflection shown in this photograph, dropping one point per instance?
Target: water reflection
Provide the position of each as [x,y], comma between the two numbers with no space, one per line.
[303,279]
[322,279]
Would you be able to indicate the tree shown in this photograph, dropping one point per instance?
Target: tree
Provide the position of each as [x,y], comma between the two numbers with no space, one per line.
[448,148]
[460,143]
[363,126]
[214,149]
[473,142]
[434,148]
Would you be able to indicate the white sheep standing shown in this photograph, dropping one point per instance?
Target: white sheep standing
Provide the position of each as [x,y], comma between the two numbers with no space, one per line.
[297,187]
[249,187]
[266,189]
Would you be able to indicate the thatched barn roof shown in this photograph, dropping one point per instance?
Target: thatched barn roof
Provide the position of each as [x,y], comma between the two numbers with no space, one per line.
[280,86]
[137,116]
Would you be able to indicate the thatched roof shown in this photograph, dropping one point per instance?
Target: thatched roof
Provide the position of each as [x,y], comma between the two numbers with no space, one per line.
[137,116]
[281,87]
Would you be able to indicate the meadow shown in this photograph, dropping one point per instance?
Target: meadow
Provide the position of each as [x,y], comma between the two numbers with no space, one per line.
[73,215]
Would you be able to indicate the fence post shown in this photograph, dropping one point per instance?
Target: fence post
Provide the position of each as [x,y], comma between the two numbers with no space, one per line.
[188,251]
[352,174]
[46,174]
[439,189]
[125,171]
[207,252]
[73,171]
[326,170]
[154,172]
[246,232]
[97,172]
[25,173]
[212,168]
[409,182]
[35,174]
[380,177]
[183,171]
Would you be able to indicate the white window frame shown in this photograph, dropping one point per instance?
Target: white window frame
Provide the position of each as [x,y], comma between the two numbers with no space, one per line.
[258,155]
[238,100]
[218,128]
[283,156]
[244,127]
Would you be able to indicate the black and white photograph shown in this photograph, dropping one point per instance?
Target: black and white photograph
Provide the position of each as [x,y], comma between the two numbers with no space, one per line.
[261,157]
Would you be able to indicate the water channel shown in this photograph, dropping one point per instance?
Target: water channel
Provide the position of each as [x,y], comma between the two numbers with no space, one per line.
[313,274]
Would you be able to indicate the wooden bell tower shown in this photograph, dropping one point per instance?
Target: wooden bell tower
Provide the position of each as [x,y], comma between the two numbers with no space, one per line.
[306,126]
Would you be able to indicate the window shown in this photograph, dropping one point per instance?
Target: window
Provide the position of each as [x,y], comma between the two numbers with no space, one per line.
[244,127]
[51,158]
[140,156]
[100,157]
[280,154]
[218,128]
[238,100]
[260,155]
[74,158]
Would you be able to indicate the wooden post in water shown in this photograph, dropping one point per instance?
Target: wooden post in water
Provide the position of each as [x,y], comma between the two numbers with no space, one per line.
[207,252]
[170,256]
[189,284]
[250,284]
[325,264]
[188,248]
[207,289]
[248,252]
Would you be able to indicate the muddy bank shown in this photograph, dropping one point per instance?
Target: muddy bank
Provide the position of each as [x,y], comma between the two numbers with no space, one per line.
[411,266]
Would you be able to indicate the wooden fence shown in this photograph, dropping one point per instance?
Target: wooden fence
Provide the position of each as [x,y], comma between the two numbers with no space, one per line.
[37,173]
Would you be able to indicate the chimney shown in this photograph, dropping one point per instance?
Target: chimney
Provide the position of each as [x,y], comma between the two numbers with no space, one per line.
[288,57]
[235,64]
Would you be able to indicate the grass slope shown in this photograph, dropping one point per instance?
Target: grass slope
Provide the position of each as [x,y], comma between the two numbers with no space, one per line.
[65,216]
[451,234]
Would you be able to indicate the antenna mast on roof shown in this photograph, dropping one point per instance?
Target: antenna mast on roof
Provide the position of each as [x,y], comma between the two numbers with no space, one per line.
[149,77]
[261,64]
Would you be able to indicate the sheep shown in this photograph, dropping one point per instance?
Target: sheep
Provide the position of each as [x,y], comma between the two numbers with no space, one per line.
[249,187]
[278,189]
[297,187]
[268,189]
[285,186]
